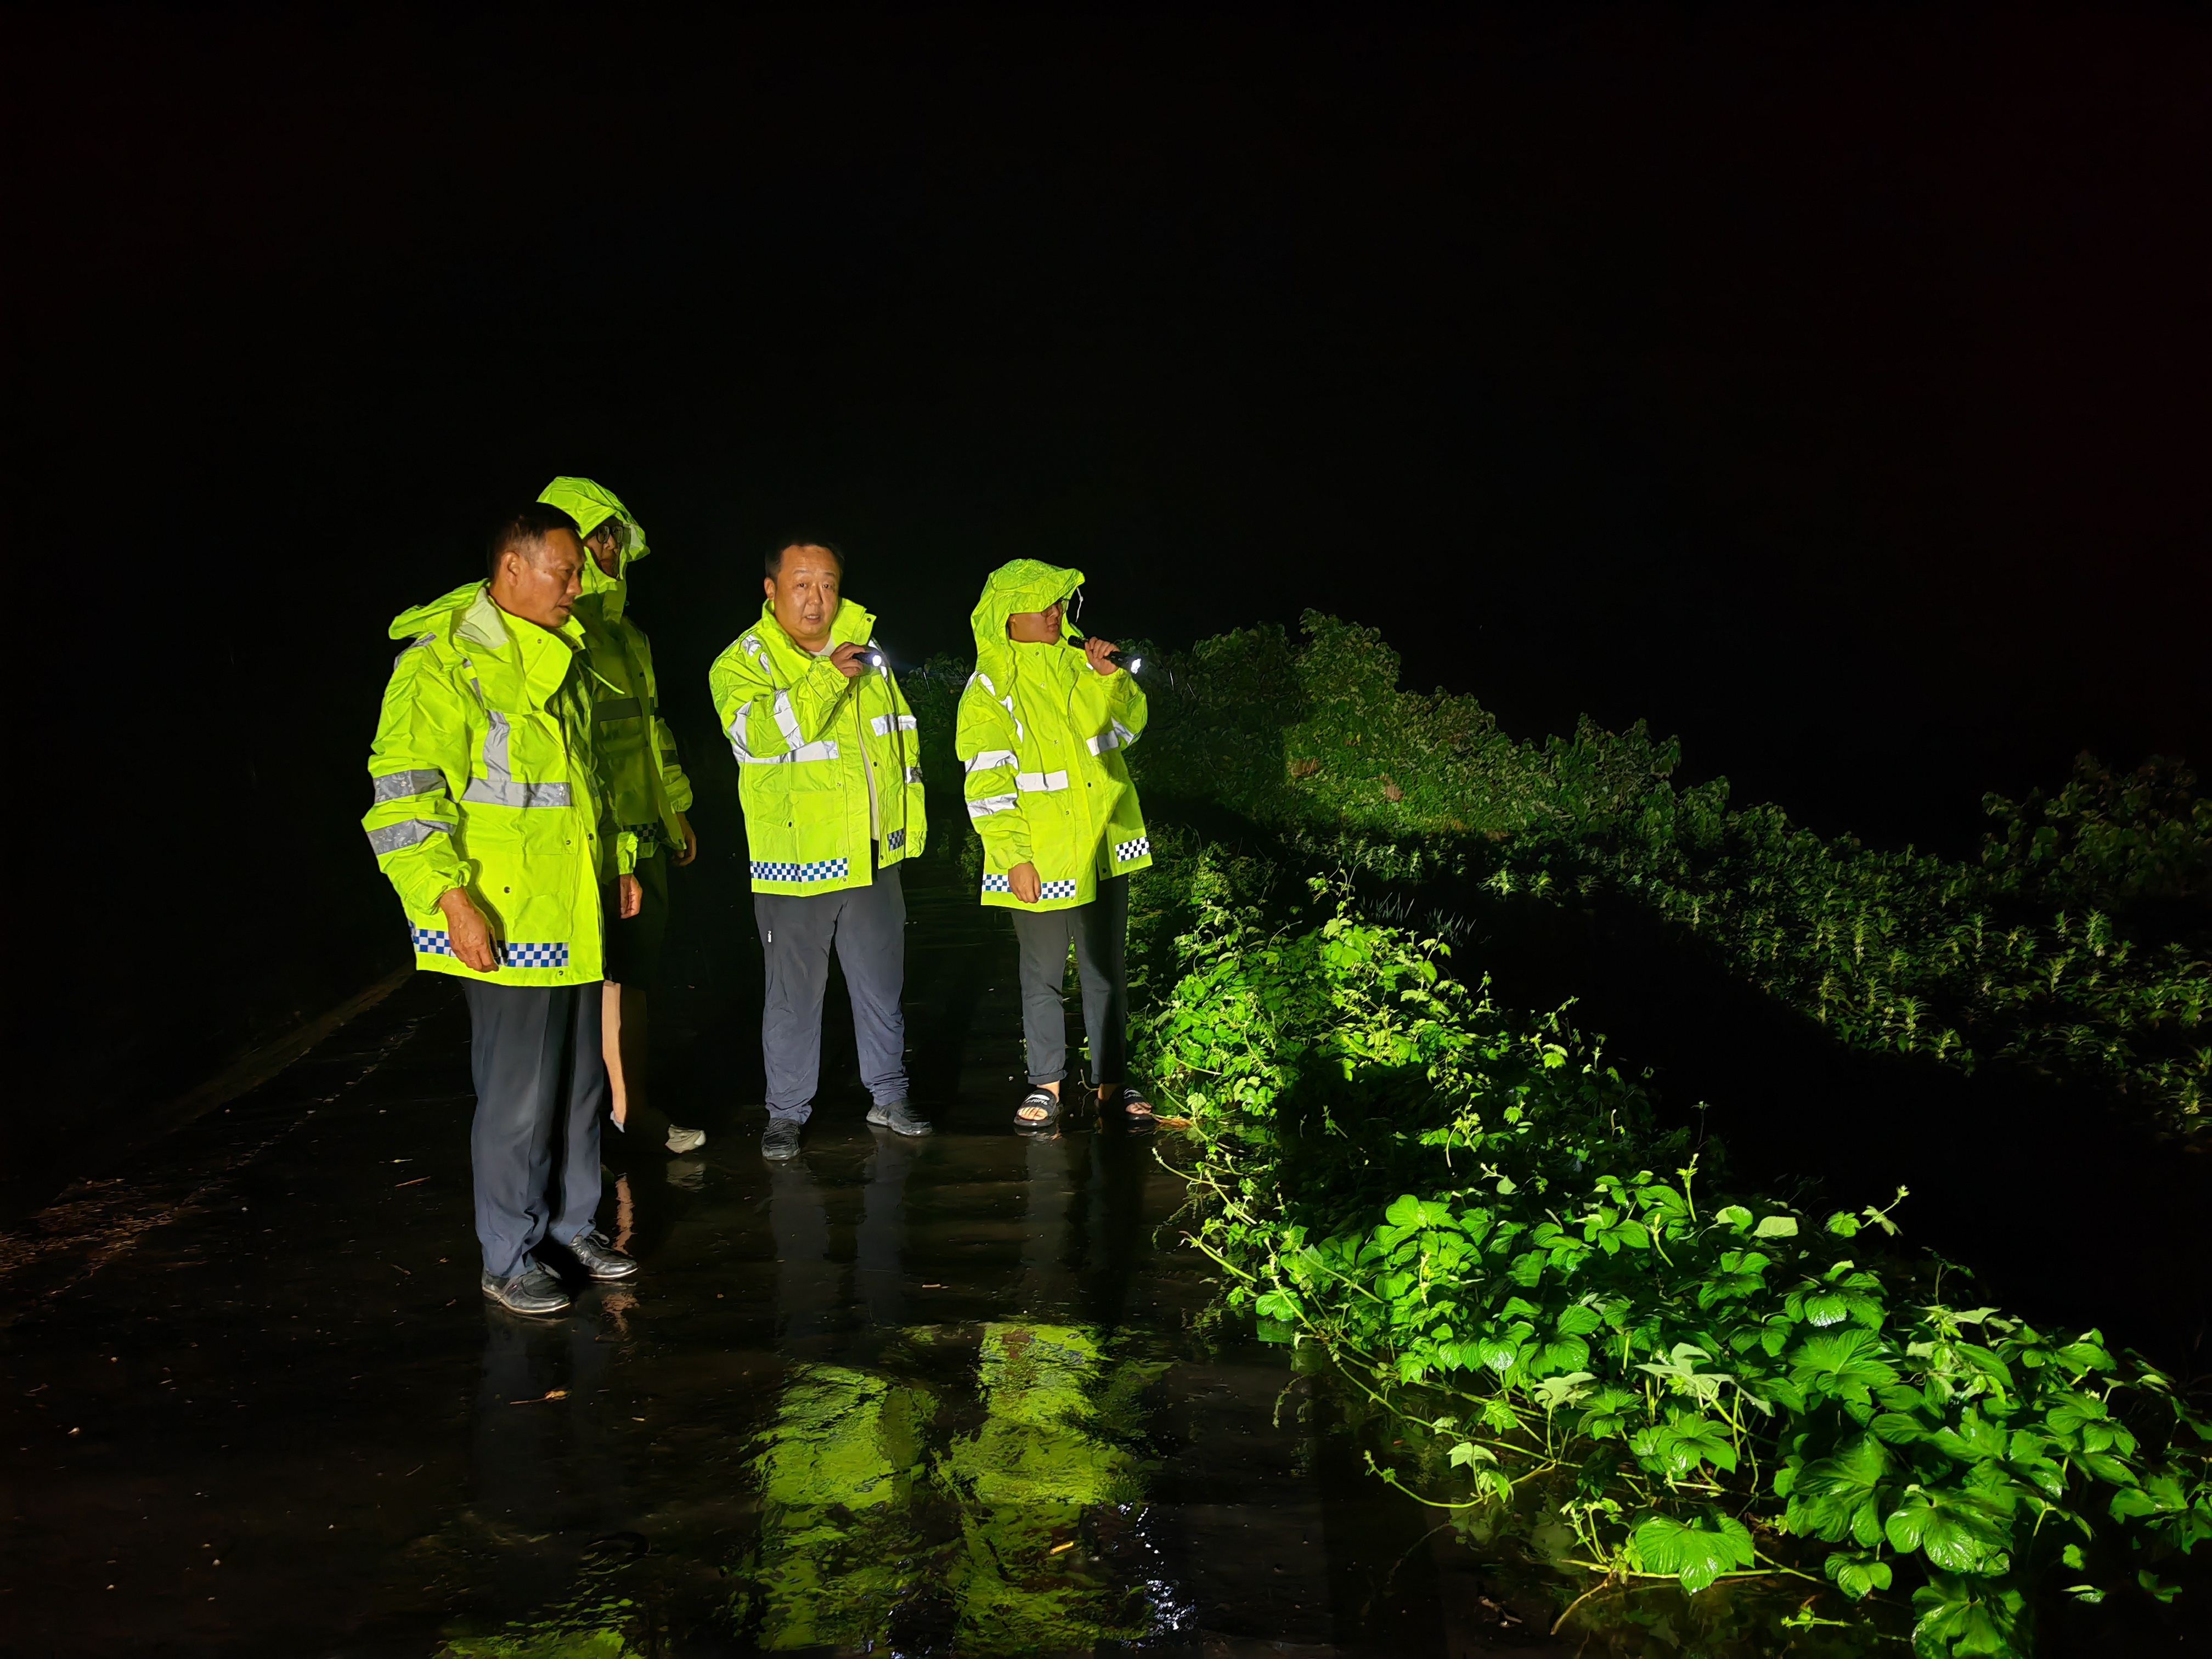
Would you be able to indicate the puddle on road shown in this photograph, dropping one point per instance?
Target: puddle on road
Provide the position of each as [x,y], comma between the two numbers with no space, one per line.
[955,1395]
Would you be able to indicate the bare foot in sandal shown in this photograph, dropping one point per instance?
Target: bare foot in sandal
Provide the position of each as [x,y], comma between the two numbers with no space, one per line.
[1040,1108]
[1130,1099]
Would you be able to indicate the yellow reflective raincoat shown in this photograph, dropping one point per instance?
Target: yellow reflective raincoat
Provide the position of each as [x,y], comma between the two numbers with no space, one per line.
[484,778]
[809,744]
[1042,732]
[637,751]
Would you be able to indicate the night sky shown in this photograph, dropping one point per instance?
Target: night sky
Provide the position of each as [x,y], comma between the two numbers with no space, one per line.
[1828,387]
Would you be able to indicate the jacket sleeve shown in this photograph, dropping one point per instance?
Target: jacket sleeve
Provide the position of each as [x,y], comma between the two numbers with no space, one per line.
[763,721]
[742,697]
[985,743]
[672,778]
[805,710]
[420,754]
[1126,706]
[665,758]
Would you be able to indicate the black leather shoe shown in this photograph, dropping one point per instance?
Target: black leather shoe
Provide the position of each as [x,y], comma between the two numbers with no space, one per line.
[533,1291]
[781,1140]
[899,1118]
[600,1257]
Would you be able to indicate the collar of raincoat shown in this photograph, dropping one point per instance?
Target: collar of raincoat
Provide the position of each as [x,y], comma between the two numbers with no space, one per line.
[472,617]
[1022,584]
[592,505]
[854,624]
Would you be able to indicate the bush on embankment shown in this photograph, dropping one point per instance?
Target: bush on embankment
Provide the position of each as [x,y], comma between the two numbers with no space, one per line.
[1635,1378]
[2080,946]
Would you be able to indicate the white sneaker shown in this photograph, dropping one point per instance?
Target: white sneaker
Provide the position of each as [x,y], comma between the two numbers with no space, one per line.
[682,1140]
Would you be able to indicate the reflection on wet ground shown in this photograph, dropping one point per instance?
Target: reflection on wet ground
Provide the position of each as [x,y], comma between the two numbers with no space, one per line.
[947,1395]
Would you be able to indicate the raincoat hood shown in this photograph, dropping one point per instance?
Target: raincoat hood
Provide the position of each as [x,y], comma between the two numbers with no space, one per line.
[590,505]
[1022,584]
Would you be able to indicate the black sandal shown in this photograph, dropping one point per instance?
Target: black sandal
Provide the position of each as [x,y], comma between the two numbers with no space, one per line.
[1041,1097]
[1130,1102]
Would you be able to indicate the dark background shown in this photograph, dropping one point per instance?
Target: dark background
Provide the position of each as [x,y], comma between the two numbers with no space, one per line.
[1828,387]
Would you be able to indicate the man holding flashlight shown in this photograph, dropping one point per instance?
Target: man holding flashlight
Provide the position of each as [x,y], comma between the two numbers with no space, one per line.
[1042,726]
[830,772]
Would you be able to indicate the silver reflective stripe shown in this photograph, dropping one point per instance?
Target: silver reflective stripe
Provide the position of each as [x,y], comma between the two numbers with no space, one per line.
[412,645]
[616,708]
[1034,782]
[391,837]
[1119,737]
[825,749]
[786,719]
[990,757]
[495,736]
[884,724]
[738,745]
[986,678]
[482,792]
[913,775]
[398,786]
[984,808]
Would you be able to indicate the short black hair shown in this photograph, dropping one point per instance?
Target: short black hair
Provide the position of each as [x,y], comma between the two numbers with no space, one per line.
[773,565]
[525,527]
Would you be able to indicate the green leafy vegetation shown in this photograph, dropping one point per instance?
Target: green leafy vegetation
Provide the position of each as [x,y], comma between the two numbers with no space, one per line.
[2080,946]
[1591,1352]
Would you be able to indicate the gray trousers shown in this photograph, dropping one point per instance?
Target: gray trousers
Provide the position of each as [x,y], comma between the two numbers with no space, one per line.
[867,928]
[1100,932]
[541,1090]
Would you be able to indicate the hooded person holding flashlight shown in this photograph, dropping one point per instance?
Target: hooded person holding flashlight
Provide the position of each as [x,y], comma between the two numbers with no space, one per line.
[1042,729]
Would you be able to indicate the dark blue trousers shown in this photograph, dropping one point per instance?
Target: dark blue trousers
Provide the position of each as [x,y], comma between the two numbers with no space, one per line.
[541,1089]
[867,926]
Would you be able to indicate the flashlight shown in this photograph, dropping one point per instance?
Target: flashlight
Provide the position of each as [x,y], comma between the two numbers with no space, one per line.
[1120,659]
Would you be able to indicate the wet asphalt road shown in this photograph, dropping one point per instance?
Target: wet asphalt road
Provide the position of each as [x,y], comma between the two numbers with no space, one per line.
[255,1403]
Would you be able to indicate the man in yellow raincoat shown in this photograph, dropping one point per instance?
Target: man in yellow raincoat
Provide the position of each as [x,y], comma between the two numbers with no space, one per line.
[491,818]
[830,771]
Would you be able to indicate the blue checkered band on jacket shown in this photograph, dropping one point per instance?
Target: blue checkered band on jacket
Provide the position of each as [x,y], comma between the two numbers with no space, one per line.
[1048,890]
[429,942]
[894,841]
[1140,849]
[819,870]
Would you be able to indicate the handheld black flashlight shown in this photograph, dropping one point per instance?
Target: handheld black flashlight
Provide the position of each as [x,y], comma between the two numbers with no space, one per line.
[1120,659]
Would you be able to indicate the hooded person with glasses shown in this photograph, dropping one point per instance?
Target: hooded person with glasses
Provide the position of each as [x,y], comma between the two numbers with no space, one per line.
[1041,728]
[650,795]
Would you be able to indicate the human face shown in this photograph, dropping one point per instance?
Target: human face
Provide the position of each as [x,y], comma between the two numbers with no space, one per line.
[1036,627]
[805,592]
[606,547]
[539,582]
